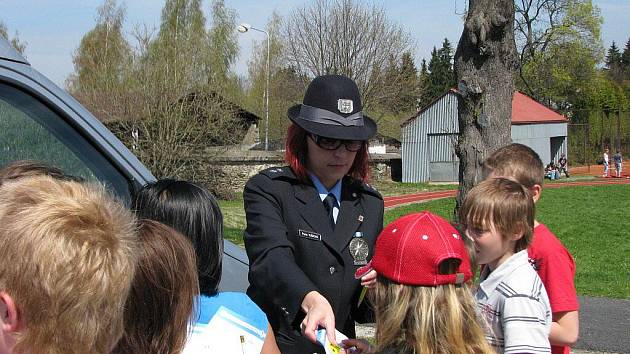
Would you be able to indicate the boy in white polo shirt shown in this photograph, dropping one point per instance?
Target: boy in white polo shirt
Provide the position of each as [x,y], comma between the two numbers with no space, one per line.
[498,215]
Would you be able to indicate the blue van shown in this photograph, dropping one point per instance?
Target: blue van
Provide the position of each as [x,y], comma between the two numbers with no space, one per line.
[40,121]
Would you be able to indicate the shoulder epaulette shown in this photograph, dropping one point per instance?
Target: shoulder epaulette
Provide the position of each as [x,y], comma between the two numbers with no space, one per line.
[371,190]
[278,172]
[364,187]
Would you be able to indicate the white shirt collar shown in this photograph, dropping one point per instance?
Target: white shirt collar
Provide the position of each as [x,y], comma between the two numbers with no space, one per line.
[490,280]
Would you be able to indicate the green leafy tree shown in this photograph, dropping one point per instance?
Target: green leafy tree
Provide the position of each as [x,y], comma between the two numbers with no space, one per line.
[19,45]
[223,45]
[600,105]
[549,31]
[561,74]
[182,110]
[179,54]
[102,63]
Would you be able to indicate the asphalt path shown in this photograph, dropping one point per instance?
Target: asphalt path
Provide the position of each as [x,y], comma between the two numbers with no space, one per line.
[604,322]
[604,325]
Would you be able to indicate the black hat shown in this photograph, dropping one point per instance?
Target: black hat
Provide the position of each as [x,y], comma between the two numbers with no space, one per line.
[332,108]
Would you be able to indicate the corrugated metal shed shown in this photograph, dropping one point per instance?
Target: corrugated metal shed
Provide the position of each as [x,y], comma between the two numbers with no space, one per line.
[440,117]
[428,139]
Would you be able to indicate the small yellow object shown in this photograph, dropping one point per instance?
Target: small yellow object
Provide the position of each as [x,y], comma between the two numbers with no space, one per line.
[334,348]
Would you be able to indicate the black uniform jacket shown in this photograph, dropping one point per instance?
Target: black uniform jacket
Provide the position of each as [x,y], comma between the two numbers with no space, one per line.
[293,250]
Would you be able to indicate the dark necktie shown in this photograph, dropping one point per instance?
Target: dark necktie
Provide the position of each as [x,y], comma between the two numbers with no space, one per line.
[329,204]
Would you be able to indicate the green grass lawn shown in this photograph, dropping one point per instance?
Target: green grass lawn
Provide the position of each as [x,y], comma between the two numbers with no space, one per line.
[233,219]
[388,188]
[592,222]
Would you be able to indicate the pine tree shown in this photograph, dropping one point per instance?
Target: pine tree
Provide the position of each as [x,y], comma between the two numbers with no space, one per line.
[440,75]
[410,87]
[614,65]
[613,57]
[625,61]
[625,56]
[400,98]
[424,71]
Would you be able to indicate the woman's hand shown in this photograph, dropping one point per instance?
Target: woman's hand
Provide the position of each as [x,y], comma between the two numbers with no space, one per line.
[319,313]
[369,279]
[360,346]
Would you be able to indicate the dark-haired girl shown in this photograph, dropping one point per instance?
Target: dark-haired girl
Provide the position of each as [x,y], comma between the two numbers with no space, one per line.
[226,322]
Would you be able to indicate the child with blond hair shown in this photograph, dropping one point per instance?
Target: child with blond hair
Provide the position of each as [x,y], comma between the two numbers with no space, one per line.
[67,259]
[422,299]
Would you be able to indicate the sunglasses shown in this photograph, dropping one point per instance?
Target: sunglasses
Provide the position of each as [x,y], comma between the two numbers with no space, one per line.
[334,144]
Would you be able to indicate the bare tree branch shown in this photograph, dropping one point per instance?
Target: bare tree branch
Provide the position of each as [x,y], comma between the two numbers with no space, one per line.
[344,37]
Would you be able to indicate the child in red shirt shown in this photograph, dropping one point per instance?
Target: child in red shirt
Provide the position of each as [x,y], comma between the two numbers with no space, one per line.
[553,262]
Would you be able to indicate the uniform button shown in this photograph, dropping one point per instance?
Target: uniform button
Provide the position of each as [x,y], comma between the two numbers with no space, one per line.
[332,269]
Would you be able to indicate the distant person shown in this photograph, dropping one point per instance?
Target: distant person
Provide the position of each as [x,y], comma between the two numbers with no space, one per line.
[163,293]
[498,215]
[551,259]
[618,160]
[195,213]
[563,166]
[551,171]
[606,164]
[422,299]
[67,259]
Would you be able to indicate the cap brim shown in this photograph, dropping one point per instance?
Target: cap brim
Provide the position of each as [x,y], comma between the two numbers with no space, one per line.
[364,132]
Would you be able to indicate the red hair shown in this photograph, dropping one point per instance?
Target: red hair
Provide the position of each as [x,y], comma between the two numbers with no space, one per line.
[296,152]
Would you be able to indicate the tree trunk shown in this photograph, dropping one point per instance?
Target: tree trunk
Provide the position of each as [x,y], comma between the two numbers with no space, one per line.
[486,63]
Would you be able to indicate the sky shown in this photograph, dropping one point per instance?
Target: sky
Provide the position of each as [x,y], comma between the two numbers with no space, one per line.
[53,30]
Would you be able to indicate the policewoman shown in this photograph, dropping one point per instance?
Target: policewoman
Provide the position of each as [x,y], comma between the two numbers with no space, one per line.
[312,224]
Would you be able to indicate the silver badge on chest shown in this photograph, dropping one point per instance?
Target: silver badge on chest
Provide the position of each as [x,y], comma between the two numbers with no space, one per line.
[359,249]
[345,105]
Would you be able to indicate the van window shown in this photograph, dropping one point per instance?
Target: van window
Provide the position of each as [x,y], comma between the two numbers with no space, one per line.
[29,130]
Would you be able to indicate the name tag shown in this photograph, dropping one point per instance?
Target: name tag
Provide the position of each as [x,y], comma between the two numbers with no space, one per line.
[310,235]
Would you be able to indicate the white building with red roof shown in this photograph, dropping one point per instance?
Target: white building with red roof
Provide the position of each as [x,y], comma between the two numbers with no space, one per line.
[428,139]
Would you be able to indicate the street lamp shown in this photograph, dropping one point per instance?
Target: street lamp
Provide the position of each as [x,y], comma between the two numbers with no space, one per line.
[244,27]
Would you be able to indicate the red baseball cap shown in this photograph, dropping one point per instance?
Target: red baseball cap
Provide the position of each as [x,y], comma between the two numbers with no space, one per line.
[409,251]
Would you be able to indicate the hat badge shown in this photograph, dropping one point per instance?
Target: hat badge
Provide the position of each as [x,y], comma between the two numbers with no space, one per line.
[345,105]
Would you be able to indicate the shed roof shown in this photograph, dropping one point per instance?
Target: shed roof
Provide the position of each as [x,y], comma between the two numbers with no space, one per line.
[525,110]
